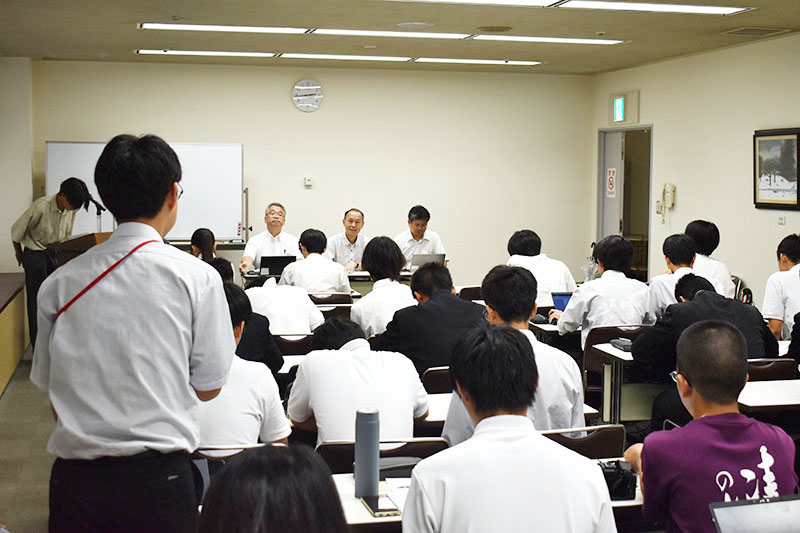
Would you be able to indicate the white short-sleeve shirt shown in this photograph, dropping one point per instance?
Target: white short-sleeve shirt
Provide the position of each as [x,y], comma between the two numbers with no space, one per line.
[264,244]
[508,477]
[551,276]
[782,298]
[376,309]
[332,385]
[317,275]
[662,290]
[430,243]
[122,364]
[712,269]
[343,251]
[289,309]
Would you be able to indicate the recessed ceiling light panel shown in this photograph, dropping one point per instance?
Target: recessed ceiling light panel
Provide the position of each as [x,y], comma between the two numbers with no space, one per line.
[211,53]
[554,40]
[513,3]
[345,57]
[407,34]
[655,8]
[220,28]
[476,61]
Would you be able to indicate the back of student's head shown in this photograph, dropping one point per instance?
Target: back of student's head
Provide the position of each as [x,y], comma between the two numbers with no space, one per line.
[76,192]
[335,333]
[431,278]
[418,212]
[383,259]
[705,235]
[134,175]
[689,285]
[238,303]
[524,242]
[510,291]
[679,249]
[495,365]
[314,241]
[271,490]
[712,356]
[203,240]
[224,267]
[615,252]
[790,247]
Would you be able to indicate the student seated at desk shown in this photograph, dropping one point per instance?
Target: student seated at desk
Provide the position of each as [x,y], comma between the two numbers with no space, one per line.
[721,455]
[418,239]
[273,241]
[507,477]
[289,309]
[342,374]
[248,408]
[316,274]
[706,239]
[782,295]
[384,261]
[204,246]
[347,248]
[510,296]
[613,299]
[525,249]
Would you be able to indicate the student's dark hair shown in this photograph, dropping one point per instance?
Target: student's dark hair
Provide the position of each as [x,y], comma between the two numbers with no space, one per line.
[510,291]
[495,365]
[712,356]
[203,240]
[273,489]
[314,241]
[690,284]
[418,213]
[431,278]
[76,192]
[383,259]
[357,210]
[134,175]
[679,249]
[238,303]
[224,267]
[266,210]
[615,252]
[335,333]
[524,242]
[705,235]
[790,247]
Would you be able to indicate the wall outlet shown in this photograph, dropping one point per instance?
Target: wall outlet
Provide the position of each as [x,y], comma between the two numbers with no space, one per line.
[308,182]
[781,221]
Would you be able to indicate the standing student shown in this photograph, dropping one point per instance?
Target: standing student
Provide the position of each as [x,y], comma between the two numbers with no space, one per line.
[347,248]
[273,241]
[47,221]
[782,295]
[418,239]
[134,333]
[525,249]
[706,239]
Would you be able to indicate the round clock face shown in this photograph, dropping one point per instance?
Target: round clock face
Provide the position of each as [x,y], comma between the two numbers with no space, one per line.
[307,95]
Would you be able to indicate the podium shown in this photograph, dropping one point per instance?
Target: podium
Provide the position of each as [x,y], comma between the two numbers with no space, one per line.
[72,248]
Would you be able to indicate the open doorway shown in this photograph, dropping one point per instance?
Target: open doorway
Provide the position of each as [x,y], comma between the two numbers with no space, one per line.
[624,190]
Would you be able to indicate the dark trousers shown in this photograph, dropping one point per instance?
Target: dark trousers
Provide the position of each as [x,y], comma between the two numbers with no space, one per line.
[150,492]
[38,265]
[668,405]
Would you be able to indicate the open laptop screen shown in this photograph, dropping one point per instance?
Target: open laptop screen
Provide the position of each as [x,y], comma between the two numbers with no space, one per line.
[767,515]
[273,265]
[560,300]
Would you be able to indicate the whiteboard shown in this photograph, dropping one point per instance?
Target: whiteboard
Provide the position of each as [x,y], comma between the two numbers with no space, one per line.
[211,181]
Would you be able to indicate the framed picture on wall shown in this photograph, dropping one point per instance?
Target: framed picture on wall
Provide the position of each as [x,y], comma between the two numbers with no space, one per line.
[775,155]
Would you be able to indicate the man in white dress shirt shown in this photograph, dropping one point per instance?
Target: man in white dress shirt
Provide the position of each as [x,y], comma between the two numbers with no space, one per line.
[510,296]
[525,249]
[507,477]
[782,295]
[289,309]
[347,248]
[272,242]
[417,239]
[706,239]
[613,299]
[316,273]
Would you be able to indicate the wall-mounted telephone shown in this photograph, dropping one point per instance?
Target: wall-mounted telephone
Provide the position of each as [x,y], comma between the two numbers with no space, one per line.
[667,201]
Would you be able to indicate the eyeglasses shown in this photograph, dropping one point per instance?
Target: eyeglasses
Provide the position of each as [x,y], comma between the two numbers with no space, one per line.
[180,190]
[674,375]
[275,213]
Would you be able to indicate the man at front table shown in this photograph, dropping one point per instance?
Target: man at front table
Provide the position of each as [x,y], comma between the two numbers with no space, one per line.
[347,248]
[417,239]
[273,241]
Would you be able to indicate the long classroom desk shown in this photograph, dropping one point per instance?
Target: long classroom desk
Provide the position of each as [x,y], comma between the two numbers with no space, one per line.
[13,330]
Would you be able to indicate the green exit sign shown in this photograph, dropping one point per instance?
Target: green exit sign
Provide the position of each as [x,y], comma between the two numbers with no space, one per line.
[619,109]
[623,108]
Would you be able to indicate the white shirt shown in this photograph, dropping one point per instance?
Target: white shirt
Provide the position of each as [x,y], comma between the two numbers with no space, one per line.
[317,275]
[507,478]
[711,269]
[662,290]
[558,403]
[782,298]
[247,409]
[343,251]
[430,243]
[121,365]
[264,245]
[332,384]
[610,300]
[551,276]
[289,309]
[376,309]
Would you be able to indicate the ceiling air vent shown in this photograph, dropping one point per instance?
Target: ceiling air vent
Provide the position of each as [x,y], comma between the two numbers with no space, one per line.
[756,32]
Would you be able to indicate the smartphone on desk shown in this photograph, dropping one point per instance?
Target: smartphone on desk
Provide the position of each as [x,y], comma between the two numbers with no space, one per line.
[381,505]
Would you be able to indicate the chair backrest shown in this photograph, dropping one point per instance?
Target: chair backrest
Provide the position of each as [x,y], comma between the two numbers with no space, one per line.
[473,292]
[593,360]
[293,344]
[340,310]
[769,369]
[340,454]
[332,298]
[598,442]
[436,380]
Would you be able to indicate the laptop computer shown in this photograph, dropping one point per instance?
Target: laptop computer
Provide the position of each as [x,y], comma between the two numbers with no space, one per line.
[560,299]
[273,265]
[765,515]
[417,260]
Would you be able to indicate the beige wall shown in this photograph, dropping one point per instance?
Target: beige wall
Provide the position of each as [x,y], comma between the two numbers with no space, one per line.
[486,153]
[704,110]
[15,150]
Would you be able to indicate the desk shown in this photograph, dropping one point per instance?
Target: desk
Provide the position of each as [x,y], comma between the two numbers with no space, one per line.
[13,322]
[779,395]
[612,381]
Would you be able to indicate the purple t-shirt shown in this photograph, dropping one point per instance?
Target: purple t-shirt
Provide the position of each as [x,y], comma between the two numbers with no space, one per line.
[713,459]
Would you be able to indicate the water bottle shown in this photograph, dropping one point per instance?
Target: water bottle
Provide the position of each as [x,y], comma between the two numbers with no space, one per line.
[366,452]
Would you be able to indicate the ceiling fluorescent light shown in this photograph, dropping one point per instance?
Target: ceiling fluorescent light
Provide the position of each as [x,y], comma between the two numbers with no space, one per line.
[371,33]
[656,8]
[555,40]
[344,57]
[514,3]
[212,53]
[216,27]
[476,61]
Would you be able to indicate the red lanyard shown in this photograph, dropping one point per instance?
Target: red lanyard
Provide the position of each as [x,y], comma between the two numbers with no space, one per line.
[98,278]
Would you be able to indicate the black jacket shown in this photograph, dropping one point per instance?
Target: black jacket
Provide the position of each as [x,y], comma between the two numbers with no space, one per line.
[258,345]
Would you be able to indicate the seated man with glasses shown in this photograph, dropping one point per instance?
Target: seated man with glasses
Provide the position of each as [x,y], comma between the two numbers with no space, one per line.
[274,241]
